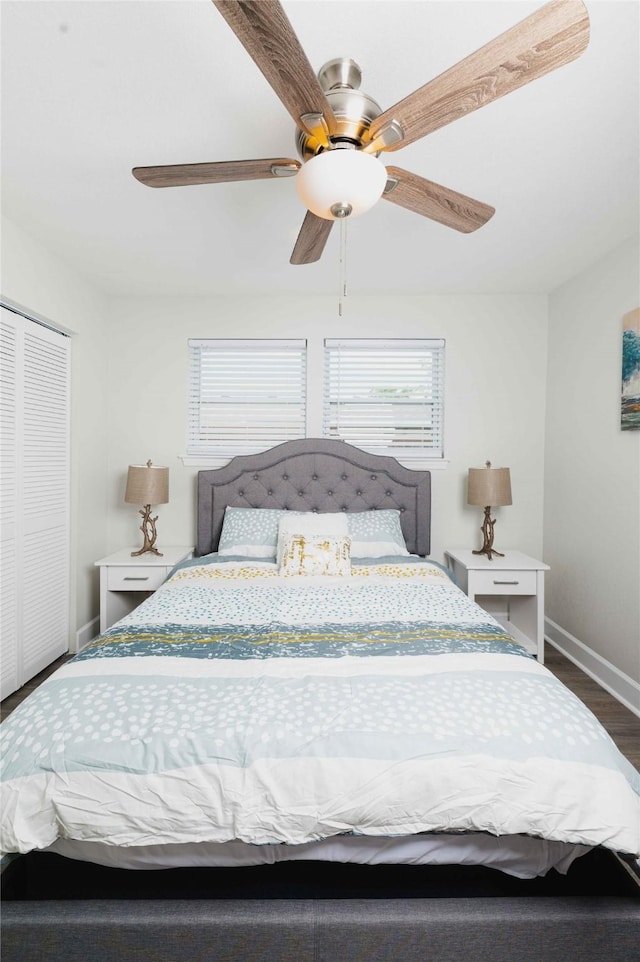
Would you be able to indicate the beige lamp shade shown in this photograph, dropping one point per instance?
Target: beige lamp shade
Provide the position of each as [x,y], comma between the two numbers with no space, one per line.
[489,486]
[147,484]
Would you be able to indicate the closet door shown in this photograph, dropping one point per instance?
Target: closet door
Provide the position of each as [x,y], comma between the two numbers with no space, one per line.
[8,505]
[34,497]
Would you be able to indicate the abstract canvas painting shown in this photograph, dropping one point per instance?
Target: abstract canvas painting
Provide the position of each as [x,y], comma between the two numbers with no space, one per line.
[630,409]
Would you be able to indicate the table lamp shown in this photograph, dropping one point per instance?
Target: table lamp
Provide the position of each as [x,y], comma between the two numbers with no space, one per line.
[147,485]
[489,487]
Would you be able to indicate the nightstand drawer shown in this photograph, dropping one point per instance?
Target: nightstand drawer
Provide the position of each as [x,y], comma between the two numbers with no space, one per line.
[127,578]
[135,578]
[503,582]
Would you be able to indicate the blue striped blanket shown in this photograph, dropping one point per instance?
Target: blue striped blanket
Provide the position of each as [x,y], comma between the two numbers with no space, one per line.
[238,704]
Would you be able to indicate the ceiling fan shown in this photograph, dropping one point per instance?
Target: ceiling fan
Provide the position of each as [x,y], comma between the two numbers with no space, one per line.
[342,131]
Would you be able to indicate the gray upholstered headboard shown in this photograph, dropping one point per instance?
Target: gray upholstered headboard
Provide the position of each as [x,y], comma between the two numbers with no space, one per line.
[315,474]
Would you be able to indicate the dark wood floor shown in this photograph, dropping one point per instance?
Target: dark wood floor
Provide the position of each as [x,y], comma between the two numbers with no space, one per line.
[622,724]
[7,706]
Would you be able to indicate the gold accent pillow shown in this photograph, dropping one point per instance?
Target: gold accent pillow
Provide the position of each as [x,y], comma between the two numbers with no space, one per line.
[310,524]
[307,554]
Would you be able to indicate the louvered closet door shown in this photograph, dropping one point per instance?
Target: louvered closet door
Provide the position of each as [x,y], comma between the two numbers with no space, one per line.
[34,498]
[9,347]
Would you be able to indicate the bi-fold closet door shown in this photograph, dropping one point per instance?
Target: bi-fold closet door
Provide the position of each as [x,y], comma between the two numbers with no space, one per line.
[34,498]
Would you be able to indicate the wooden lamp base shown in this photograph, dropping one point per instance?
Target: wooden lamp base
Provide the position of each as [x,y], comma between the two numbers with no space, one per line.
[487,532]
[148,528]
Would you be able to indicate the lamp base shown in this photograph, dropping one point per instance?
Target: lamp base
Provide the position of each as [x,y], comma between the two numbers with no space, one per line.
[487,533]
[143,550]
[148,528]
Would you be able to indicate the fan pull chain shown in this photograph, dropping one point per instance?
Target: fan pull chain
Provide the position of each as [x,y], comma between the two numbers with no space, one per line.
[343,264]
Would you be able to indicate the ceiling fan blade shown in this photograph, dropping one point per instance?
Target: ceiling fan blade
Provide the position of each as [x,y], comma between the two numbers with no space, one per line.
[439,203]
[265,32]
[183,175]
[311,241]
[552,36]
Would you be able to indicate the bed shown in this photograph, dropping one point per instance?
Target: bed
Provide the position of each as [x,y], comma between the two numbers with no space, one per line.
[309,744]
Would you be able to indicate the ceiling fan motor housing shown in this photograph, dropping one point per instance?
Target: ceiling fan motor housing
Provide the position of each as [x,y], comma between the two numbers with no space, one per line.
[354,110]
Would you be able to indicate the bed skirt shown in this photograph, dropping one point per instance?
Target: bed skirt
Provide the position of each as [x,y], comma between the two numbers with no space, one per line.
[324,913]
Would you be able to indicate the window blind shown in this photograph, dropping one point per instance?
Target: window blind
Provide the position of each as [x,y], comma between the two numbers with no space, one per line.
[386,395]
[245,395]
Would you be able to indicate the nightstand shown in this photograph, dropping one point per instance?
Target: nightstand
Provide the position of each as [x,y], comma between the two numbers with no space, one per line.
[125,581]
[516,577]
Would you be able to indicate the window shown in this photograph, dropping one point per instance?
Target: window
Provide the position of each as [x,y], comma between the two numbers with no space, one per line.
[245,395]
[385,396]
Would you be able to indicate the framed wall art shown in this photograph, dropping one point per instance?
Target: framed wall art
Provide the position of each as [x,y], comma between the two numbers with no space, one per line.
[630,405]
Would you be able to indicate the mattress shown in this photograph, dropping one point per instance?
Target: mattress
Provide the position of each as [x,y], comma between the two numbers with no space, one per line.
[239,708]
[516,855]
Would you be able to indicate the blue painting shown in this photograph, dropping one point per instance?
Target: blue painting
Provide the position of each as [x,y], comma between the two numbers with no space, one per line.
[630,410]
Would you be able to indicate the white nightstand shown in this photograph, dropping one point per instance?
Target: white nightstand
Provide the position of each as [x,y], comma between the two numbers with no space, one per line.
[517,577]
[125,581]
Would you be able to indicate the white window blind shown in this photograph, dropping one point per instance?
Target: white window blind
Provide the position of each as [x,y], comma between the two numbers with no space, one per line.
[245,395]
[386,395]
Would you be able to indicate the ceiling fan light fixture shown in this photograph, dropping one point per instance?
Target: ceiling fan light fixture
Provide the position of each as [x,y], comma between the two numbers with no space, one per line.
[336,180]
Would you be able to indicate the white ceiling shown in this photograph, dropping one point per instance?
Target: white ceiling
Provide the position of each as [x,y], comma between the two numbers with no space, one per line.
[92,88]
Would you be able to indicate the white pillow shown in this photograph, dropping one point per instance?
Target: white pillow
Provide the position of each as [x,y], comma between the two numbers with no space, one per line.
[310,523]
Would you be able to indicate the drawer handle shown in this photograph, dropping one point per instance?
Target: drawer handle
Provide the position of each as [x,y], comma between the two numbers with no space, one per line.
[136,578]
[505,582]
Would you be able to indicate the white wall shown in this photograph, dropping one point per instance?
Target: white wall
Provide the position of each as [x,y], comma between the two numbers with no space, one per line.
[592,475]
[129,404]
[46,287]
[495,395]
[129,367]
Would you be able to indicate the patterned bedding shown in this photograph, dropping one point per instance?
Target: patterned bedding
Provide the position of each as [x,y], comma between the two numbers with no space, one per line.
[235,704]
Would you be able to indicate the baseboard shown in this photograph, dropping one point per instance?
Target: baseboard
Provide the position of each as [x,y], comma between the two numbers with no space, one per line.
[616,682]
[87,633]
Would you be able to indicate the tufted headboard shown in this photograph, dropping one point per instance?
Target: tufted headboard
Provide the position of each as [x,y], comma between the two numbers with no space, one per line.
[315,474]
